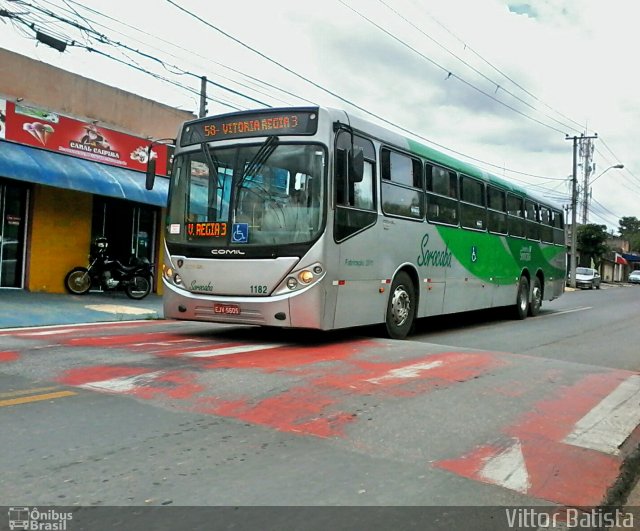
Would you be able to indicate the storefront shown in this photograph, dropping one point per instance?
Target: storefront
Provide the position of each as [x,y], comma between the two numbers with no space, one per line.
[64,182]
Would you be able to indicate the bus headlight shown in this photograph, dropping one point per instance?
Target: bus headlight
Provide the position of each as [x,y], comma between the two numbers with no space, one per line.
[305,276]
[301,279]
[177,279]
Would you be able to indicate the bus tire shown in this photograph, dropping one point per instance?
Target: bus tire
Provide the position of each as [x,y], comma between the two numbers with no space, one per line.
[536,297]
[522,299]
[401,307]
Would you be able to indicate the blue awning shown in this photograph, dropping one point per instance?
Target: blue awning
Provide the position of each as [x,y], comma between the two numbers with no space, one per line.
[25,163]
[631,257]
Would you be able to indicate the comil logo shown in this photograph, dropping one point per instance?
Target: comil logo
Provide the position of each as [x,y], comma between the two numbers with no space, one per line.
[38,520]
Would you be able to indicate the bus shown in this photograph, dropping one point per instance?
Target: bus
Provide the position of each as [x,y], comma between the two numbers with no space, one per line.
[310,217]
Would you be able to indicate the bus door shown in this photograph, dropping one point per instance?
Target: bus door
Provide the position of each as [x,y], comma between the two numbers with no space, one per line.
[358,270]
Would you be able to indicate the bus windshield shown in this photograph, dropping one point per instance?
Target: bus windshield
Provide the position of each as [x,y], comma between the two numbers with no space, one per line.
[265,194]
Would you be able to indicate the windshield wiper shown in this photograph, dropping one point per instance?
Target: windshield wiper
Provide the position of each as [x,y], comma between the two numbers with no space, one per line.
[258,160]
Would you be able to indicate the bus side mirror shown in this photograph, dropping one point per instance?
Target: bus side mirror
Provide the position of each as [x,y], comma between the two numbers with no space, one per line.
[151,174]
[356,169]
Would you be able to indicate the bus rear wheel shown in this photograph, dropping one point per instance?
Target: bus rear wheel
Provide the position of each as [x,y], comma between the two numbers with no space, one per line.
[522,299]
[536,298]
[401,308]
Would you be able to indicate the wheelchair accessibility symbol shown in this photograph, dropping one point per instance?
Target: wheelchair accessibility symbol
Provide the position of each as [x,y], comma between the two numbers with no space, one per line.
[240,233]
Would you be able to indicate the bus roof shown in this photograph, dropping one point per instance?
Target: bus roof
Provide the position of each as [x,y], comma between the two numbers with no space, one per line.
[391,138]
[385,135]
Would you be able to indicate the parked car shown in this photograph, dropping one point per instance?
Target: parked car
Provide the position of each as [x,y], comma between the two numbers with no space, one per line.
[634,277]
[587,277]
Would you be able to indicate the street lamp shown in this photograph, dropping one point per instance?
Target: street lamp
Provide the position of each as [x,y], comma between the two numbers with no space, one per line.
[614,167]
[587,191]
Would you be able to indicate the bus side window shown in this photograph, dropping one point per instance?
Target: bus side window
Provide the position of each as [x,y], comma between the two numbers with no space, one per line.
[515,210]
[497,205]
[472,204]
[546,231]
[557,220]
[531,214]
[442,195]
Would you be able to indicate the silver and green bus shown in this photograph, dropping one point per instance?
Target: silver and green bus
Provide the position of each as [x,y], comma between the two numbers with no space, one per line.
[313,218]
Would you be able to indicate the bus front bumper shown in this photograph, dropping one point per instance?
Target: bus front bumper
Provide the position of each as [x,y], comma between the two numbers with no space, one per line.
[300,310]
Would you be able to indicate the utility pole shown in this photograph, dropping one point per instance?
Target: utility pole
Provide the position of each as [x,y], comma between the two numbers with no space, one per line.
[574,206]
[586,153]
[203,97]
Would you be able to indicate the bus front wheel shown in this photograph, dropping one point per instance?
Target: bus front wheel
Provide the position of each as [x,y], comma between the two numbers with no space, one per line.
[522,299]
[401,308]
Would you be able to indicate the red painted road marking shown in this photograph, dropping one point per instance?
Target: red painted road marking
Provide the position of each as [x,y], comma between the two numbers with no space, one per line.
[537,461]
[297,410]
[9,356]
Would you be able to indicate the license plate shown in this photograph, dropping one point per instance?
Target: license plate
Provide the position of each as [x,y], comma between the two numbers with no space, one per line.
[227,309]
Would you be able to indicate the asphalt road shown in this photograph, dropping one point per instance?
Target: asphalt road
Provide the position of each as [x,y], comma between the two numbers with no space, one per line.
[472,411]
[596,327]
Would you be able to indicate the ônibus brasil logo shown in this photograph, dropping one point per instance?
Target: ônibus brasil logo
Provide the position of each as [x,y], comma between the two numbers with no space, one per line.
[38,520]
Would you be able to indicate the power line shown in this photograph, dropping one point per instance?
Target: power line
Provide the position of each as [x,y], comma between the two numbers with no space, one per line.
[467,47]
[349,102]
[447,71]
[191,52]
[497,85]
[102,38]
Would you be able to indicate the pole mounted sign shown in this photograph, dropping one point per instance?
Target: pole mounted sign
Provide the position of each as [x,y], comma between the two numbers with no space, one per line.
[44,129]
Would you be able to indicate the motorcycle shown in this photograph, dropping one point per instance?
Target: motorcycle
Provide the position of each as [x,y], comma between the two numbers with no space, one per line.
[135,278]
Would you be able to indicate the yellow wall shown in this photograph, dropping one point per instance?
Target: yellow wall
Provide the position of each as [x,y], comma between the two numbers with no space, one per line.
[60,236]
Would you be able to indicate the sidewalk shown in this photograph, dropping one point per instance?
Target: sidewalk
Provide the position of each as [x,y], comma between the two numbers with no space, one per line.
[19,308]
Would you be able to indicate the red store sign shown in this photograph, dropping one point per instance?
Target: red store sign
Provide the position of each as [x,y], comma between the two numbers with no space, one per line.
[47,130]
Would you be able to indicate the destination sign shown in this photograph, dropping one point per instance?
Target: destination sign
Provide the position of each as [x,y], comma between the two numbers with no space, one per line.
[284,122]
[207,229]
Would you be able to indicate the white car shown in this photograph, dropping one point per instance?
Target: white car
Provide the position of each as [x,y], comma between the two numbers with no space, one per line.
[634,277]
[587,277]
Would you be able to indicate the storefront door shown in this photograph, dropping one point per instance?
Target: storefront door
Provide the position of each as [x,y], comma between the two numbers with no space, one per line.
[13,209]
[129,227]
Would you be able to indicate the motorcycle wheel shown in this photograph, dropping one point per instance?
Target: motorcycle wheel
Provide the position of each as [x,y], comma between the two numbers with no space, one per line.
[138,287]
[78,281]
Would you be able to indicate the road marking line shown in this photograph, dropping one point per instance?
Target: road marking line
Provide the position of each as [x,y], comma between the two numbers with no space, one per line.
[51,332]
[116,308]
[28,391]
[611,422]
[508,469]
[225,351]
[410,371]
[123,384]
[581,309]
[97,324]
[35,398]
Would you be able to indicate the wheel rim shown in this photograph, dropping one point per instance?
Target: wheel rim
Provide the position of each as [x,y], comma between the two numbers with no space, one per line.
[536,300]
[523,298]
[400,306]
[140,286]
[78,281]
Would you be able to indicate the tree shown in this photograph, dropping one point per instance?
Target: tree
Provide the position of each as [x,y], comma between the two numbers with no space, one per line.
[629,229]
[592,243]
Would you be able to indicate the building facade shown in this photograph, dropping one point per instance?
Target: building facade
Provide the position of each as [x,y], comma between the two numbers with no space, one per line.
[72,158]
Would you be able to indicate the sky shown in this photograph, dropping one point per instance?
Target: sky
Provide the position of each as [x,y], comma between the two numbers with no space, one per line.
[499,83]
